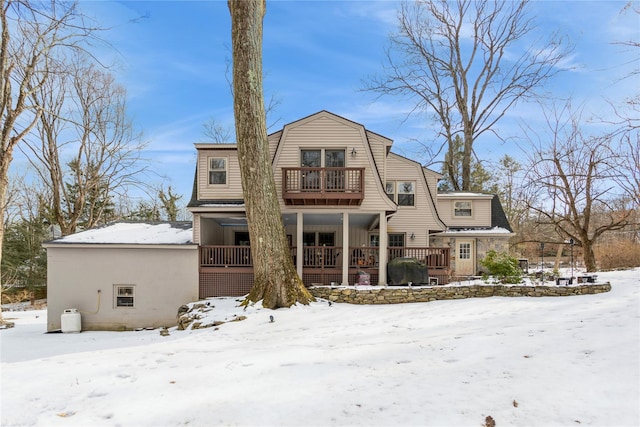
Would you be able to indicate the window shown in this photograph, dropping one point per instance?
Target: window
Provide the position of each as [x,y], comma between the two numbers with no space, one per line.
[311,238]
[374,240]
[390,188]
[334,158]
[241,238]
[335,178]
[465,251]
[313,158]
[326,239]
[310,158]
[405,191]
[217,171]
[124,295]
[396,240]
[318,257]
[462,209]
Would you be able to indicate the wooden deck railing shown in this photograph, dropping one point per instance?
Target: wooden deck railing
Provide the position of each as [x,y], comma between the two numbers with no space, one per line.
[434,257]
[225,256]
[326,256]
[327,186]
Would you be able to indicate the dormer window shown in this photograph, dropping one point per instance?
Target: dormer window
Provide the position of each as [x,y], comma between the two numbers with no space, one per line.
[462,209]
[217,171]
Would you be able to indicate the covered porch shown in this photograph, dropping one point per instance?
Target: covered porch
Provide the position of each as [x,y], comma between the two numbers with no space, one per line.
[326,248]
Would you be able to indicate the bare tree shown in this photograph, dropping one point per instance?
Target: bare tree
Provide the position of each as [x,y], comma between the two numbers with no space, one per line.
[276,281]
[458,62]
[32,35]
[629,149]
[84,148]
[215,132]
[576,177]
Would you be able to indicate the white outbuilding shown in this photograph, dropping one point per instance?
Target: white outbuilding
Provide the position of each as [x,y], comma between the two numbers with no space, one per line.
[122,276]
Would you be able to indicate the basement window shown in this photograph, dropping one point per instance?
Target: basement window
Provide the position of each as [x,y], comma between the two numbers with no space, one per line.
[124,295]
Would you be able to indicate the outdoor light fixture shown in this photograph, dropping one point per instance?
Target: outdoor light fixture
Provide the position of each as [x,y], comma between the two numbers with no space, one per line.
[353,152]
[413,236]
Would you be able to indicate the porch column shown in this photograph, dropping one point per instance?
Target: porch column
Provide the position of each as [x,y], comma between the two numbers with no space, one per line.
[382,256]
[345,248]
[299,247]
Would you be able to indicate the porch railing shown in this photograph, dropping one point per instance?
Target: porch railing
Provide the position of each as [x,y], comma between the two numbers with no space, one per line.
[225,256]
[434,257]
[327,256]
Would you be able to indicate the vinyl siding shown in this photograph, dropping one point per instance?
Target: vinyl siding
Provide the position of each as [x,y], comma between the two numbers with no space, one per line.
[417,219]
[196,229]
[378,146]
[273,143]
[326,131]
[232,190]
[480,212]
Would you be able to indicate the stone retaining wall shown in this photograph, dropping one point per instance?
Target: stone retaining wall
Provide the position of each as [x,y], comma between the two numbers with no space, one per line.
[404,294]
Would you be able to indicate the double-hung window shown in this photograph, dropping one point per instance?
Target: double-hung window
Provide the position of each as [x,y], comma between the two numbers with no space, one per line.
[217,170]
[462,208]
[391,190]
[401,192]
[406,193]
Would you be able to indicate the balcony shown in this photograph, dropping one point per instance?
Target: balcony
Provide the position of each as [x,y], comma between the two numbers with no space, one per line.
[323,186]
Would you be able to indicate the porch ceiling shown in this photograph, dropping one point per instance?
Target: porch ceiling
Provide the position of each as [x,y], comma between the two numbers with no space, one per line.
[355,220]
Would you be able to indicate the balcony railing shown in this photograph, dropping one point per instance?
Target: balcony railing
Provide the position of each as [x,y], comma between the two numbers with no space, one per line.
[323,186]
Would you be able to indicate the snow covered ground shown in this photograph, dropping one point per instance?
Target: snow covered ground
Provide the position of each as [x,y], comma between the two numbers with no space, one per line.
[565,361]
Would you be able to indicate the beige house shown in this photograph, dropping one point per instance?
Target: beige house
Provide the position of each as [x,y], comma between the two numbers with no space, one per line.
[349,206]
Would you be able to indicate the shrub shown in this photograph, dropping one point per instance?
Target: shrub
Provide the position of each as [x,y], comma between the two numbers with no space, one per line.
[502,266]
[620,254]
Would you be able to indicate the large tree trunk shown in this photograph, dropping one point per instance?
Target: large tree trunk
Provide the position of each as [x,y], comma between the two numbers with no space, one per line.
[276,281]
[588,256]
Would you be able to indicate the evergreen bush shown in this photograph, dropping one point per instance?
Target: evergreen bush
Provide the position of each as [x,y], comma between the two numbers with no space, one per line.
[502,266]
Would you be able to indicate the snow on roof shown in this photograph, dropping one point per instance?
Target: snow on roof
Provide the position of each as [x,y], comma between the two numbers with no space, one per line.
[494,230]
[135,233]
[464,194]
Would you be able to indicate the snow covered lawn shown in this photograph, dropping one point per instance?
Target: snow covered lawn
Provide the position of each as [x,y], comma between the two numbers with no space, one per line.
[565,361]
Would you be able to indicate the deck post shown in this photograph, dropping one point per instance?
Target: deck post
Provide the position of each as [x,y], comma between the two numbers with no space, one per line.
[299,245]
[345,248]
[382,256]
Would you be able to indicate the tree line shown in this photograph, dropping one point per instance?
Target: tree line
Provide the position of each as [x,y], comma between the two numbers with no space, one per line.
[65,112]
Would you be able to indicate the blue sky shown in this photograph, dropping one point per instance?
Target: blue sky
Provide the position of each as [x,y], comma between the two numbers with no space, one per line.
[173,62]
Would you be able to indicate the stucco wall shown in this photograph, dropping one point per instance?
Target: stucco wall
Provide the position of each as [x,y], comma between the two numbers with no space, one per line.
[164,278]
